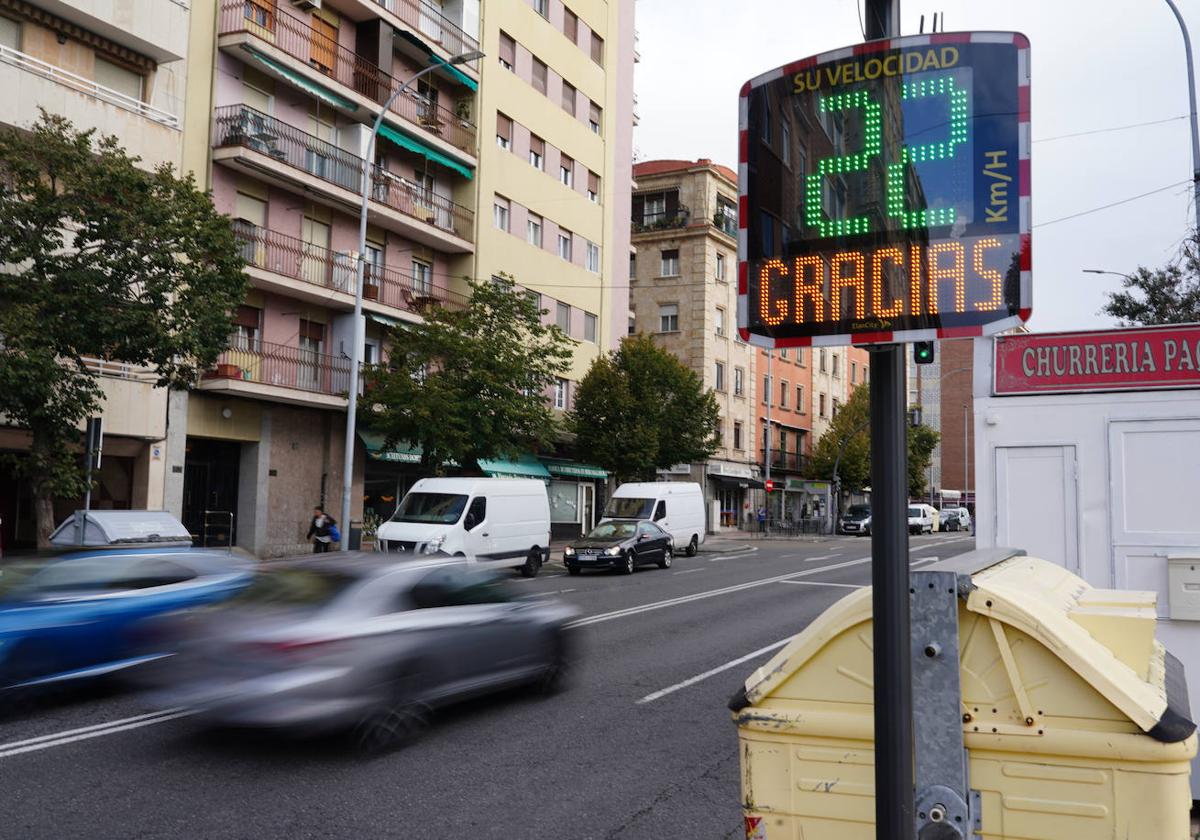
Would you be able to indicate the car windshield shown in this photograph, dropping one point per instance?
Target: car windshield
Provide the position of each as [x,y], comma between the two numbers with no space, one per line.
[293,588]
[436,508]
[612,530]
[629,508]
[858,511]
[915,513]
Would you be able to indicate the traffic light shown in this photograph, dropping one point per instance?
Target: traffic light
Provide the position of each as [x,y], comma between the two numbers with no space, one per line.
[769,484]
[923,352]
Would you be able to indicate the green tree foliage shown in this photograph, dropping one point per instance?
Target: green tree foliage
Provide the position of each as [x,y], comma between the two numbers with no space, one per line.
[103,260]
[472,383]
[852,427]
[1169,295]
[639,409]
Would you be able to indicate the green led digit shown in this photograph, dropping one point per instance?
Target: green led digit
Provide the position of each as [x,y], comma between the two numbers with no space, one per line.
[814,205]
[941,150]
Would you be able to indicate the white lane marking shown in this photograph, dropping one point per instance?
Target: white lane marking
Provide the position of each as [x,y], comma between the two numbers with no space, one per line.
[712,593]
[70,736]
[824,583]
[687,571]
[650,698]
[822,557]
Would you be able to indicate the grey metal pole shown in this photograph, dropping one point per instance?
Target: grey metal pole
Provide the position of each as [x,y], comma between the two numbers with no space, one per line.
[964,456]
[894,809]
[1191,75]
[356,349]
[767,441]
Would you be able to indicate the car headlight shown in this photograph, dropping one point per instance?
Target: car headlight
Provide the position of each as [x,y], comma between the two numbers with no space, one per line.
[435,545]
[614,551]
[568,552]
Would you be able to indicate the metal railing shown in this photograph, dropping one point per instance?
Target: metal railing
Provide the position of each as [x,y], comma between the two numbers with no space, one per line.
[663,221]
[292,257]
[79,84]
[783,459]
[287,367]
[241,125]
[268,21]
[726,222]
[426,19]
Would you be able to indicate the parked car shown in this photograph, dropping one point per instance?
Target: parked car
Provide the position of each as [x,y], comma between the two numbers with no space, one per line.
[675,506]
[80,614]
[622,544]
[496,522]
[362,648]
[920,520]
[956,519]
[857,520]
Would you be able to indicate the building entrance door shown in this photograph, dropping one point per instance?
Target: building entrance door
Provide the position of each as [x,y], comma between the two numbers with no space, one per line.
[210,486]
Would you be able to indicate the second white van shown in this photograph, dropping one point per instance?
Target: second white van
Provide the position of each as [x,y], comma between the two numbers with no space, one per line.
[675,506]
[491,521]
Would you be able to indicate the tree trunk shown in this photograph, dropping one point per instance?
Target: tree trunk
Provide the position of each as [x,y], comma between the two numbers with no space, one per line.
[43,508]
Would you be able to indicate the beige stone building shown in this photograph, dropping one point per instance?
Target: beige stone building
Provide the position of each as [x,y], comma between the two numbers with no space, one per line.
[683,281]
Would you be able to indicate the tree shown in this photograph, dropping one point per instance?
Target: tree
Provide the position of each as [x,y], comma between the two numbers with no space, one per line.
[852,427]
[640,409]
[471,383]
[1169,295]
[103,260]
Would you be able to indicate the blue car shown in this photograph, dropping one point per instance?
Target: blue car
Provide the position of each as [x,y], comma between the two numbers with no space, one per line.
[82,614]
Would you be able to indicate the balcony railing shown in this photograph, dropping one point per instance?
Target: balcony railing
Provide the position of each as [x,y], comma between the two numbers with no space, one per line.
[426,19]
[291,257]
[663,221]
[725,220]
[268,21]
[239,125]
[286,367]
[782,459]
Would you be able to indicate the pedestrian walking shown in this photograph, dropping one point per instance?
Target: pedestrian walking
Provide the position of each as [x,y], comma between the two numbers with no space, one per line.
[323,531]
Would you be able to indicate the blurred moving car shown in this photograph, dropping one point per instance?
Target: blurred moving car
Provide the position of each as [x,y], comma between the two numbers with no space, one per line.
[81,614]
[857,520]
[620,544]
[361,646]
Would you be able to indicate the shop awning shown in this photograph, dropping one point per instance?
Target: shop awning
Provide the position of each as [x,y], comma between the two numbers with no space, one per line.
[399,454]
[461,77]
[736,481]
[384,320]
[573,469]
[406,142]
[319,91]
[524,467]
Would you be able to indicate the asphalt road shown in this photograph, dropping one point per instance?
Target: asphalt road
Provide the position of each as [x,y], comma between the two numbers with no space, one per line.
[639,746]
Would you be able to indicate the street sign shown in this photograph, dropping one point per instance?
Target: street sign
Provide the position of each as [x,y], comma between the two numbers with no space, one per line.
[885,193]
[769,485]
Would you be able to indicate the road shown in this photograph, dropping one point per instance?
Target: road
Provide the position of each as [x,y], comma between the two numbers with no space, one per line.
[639,746]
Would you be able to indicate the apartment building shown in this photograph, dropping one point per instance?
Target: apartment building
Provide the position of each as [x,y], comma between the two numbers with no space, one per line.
[785,422]
[684,294]
[121,69]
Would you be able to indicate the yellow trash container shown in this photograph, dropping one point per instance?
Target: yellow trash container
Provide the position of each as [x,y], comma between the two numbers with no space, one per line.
[1073,718]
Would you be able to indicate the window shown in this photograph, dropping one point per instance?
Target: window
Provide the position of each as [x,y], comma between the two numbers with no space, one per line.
[669,265]
[654,208]
[566,171]
[719,377]
[783,353]
[560,393]
[476,513]
[539,76]
[739,382]
[568,98]
[632,324]
[800,356]
[823,366]
[720,432]
[836,406]
[726,217]
[837,358]
[593,257]
[562,316]
[571,26]
[721,267]
[633,266]
[865,372]
[10,33]
[246,327]
[422,276]
[594,116]
[503,131]
[785,142]
[564,244]
[500,213]
[668,318]
[593,190]
[800,399]
[537,152]
[854,373]
[533,230]
[508,51]
[767,389]
[737,435]
[822,404]
[784,388]
[597,49]
[542,7]
[589,327]
[720,321]
[115,77]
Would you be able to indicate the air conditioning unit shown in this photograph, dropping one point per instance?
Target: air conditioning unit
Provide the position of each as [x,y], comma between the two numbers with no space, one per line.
[307,4]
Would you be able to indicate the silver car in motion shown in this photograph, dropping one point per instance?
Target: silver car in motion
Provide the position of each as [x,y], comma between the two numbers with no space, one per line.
[363,646]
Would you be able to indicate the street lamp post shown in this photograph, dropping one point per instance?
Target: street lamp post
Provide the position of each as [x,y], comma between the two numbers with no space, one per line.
[357,345]
[1191,76]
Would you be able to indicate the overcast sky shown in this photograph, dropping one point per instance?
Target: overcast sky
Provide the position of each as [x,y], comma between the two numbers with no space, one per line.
[1094,66]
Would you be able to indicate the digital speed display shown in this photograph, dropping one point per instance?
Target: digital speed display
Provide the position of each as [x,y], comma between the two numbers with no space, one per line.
[885,192]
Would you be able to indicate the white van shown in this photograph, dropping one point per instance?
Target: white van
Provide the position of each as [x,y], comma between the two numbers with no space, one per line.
[675,506]
[492,521]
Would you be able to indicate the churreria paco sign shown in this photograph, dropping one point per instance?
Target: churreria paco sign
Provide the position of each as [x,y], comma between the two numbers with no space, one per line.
[885,193]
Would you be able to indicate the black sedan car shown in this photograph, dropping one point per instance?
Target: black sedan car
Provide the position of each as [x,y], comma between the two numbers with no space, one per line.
[620,544]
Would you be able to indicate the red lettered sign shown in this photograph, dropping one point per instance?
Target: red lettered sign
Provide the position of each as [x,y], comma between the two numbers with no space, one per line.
[1140,359]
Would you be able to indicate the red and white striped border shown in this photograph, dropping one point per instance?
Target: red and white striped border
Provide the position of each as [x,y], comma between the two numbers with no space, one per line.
[1025,229]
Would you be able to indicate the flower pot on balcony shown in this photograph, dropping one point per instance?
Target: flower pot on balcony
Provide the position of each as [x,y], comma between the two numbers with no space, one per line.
[227,371]
[370,292]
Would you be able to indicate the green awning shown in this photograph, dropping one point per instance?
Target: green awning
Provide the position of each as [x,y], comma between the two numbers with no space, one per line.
[295,78]
[384,320]
[462,77]
[524,467]
[406,142]
[573,469]
[400,454]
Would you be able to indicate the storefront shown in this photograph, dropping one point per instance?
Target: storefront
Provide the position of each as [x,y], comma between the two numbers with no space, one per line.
[387,475]
[576,494]
[728,494]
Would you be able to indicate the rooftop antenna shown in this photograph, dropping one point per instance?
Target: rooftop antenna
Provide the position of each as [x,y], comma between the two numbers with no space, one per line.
[921,31]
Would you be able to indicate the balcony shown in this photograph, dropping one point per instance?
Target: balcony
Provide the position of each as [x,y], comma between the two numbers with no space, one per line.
[433,25]
[279,373]
[252,141]
[323,59]
[782,459]
[725,220]
[663,221]
[294,267]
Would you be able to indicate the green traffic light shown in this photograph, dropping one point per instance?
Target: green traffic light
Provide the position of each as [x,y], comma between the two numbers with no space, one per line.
[923,352]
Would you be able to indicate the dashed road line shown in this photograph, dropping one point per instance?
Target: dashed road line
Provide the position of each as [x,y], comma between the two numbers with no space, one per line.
[650,698]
